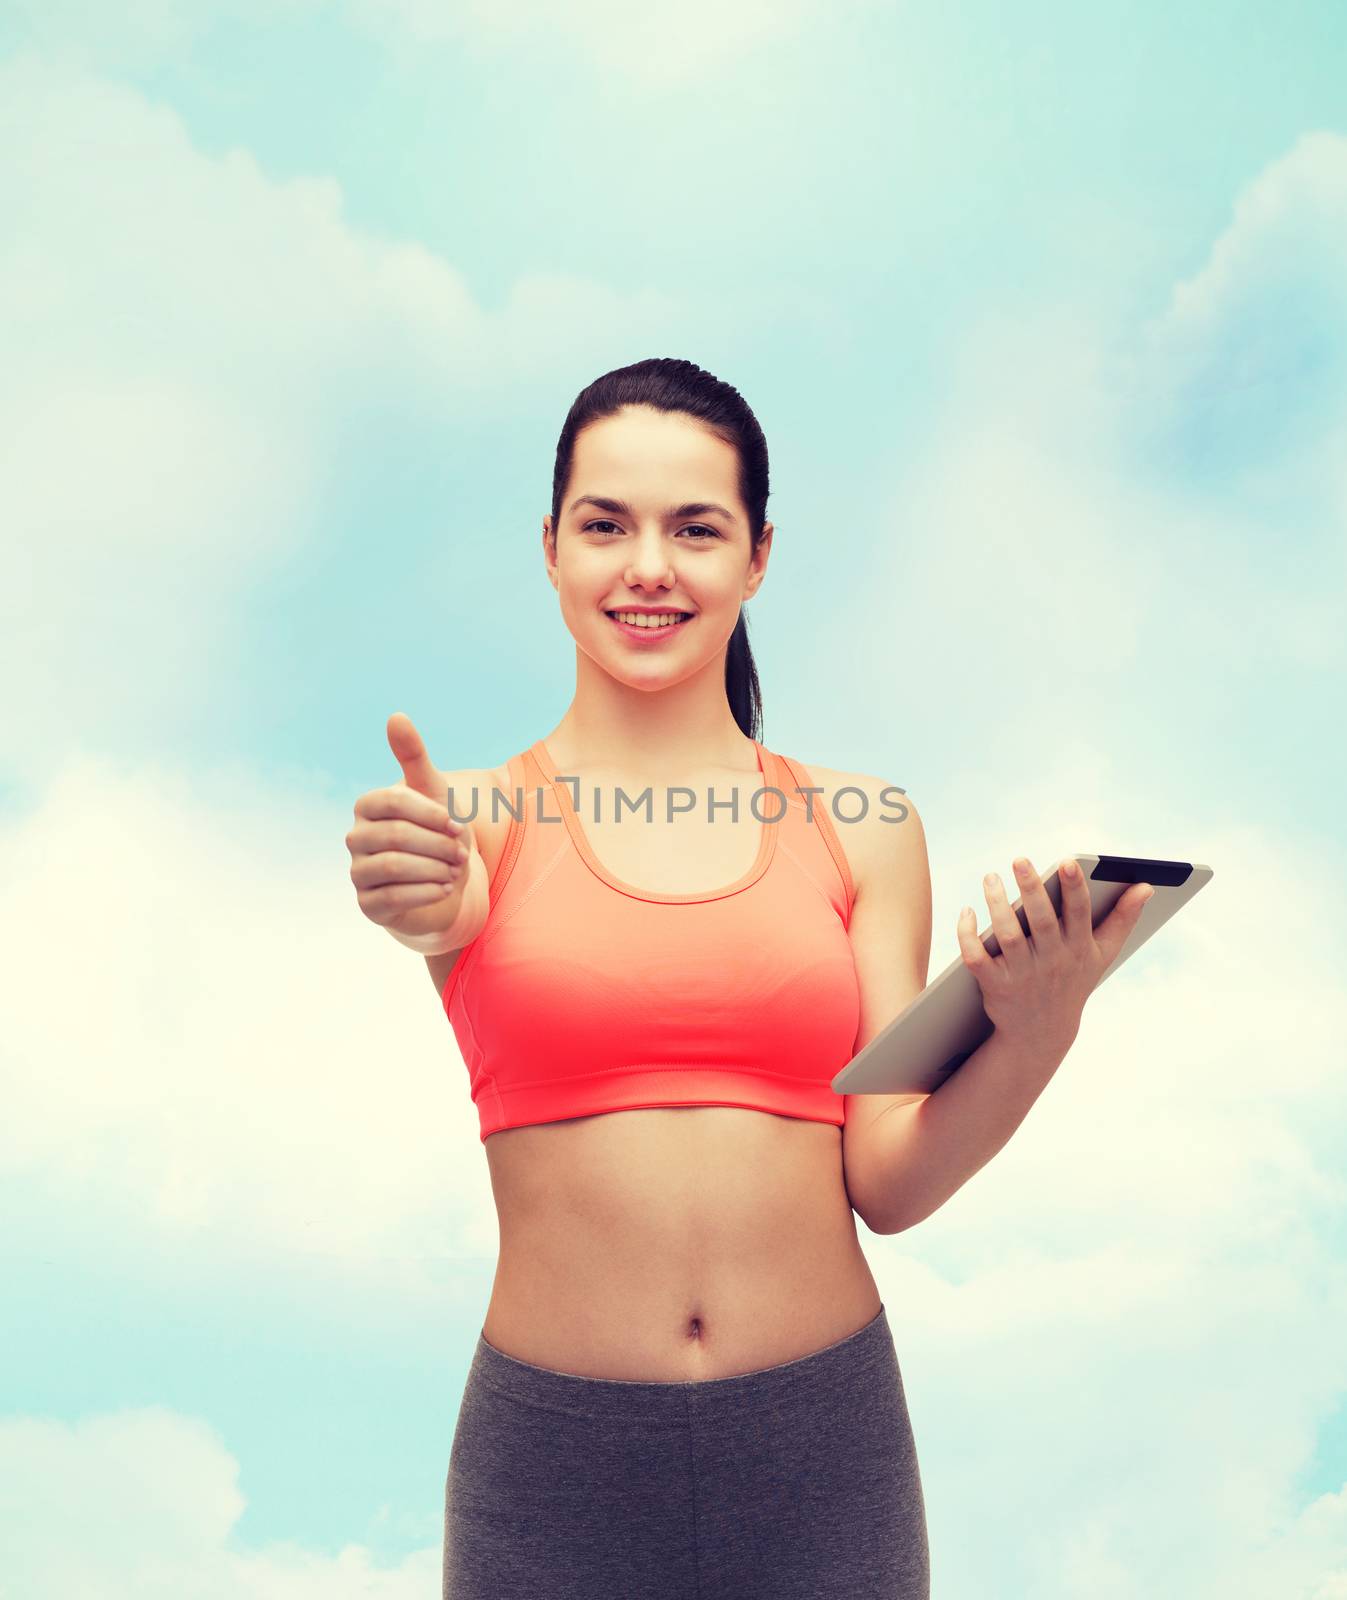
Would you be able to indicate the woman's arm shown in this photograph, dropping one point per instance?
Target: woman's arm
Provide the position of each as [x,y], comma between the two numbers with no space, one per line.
[890,934]
[1033,993]
[927,1150]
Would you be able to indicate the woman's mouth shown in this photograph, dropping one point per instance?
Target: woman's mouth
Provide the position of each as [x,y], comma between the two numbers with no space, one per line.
[649,628]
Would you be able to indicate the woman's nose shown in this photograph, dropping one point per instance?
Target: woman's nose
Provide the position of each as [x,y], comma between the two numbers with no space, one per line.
[649,563]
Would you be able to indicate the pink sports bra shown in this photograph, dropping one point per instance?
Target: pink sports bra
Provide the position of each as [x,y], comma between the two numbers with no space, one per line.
[583,994]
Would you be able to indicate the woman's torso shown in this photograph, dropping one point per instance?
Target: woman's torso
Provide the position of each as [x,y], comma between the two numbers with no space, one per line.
[673,1243]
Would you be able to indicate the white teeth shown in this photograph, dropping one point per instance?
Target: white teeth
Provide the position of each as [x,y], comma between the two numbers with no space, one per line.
[641,619]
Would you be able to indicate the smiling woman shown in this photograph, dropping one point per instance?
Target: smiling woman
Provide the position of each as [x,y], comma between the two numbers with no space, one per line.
[683,1330]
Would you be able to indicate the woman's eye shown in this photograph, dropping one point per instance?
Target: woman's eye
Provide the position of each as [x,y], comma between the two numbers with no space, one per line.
[710,533]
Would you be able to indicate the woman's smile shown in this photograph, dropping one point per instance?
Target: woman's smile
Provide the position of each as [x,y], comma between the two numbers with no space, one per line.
[649,629]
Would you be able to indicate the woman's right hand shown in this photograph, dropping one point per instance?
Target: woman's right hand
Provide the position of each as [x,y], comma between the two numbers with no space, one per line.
[409,858]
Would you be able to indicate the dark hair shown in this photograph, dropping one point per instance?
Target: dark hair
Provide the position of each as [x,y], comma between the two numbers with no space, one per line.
[670,385]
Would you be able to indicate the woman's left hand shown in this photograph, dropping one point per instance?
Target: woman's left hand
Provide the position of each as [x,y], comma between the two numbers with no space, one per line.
[1037,987]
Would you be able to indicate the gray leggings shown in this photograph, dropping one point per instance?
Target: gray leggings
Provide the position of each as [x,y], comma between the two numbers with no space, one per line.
[794,1482]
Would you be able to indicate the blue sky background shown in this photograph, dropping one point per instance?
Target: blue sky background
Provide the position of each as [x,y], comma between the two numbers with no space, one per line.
[1044,317]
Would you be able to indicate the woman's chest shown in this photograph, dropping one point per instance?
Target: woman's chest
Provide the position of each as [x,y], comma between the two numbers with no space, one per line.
[687,840]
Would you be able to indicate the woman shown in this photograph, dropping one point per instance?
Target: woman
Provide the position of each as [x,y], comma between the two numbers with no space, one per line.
[685,1383]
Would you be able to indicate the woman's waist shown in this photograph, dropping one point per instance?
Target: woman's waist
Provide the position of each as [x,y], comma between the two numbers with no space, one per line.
[680,1241]
[691,1188]
[615,1305]
[713,1237]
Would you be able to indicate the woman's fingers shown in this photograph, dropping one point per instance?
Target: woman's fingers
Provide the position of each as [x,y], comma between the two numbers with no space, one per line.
[396,801]
[1043,926]
[390,902]
[1076,915]
[411,838]
[1038,983]
[395,866]
[406,844]
[1006,927]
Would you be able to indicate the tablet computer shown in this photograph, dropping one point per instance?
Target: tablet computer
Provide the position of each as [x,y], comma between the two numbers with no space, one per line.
[943,1026]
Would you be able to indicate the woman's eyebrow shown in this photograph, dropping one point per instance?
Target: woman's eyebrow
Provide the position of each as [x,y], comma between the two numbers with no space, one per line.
[620,508]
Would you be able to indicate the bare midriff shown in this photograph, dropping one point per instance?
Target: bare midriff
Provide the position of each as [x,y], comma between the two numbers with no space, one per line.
[672,1244]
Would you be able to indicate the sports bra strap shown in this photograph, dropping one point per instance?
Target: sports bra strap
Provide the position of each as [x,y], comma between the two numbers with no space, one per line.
[818,811]
[514,833]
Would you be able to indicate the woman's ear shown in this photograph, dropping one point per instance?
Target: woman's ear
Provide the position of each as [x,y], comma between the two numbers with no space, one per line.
[757,565]
[549,552]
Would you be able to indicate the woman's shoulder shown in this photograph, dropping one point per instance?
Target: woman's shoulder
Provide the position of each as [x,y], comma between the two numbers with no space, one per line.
[863,809]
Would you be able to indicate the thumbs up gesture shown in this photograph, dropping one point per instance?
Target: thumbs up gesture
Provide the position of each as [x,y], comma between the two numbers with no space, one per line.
[410,860]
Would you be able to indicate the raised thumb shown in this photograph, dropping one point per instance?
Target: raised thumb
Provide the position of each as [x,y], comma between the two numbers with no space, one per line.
[419,772]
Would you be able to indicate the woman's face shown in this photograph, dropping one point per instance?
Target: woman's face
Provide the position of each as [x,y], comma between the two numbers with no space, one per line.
[638,549]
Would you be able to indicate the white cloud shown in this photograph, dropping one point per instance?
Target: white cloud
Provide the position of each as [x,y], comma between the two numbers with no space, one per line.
[139,33]
[1289,230]
[659,43]
[140,1505]
[664,42]
[1098,506]
[1146,1282]
[164,408]
[190,342]
[1241,383]
[158,1496]
[235,1056]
